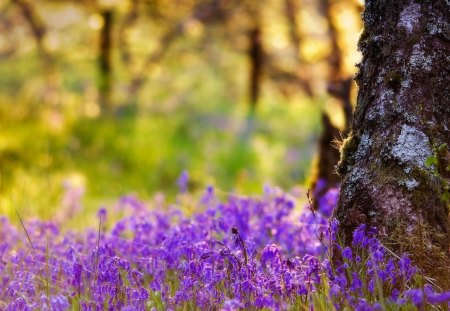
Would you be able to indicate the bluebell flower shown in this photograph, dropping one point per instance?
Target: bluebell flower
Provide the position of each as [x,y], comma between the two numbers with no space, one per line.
[182,181]
[356,284]
[359,235]
[347,253]
[416,296]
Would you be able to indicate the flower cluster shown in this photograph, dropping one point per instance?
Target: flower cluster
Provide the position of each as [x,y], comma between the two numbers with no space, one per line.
[368,277]
[231,254]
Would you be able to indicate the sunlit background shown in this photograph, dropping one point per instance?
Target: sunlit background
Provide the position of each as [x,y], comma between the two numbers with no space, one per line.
[104,98]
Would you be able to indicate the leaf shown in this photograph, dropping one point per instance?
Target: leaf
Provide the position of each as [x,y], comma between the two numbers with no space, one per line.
[431,160]
[442,147]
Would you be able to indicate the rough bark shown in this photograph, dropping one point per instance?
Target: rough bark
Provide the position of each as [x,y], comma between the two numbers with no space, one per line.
[402,121]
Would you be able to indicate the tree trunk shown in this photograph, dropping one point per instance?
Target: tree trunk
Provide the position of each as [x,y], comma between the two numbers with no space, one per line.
[105,61]
[339,88]
[255,54]
[395,162]
[325,176]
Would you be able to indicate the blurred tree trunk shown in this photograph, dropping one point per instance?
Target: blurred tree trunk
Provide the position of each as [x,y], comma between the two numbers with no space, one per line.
[105,61]
[395,164]
[339,85]
[256,58]
[325,176]
[340,89]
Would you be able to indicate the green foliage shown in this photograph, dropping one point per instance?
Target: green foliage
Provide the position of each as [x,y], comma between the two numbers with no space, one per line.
[145,152]
[190,112]
[431,160]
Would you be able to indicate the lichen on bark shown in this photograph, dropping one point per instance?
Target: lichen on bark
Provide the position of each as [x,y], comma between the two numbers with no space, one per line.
[402,112]
[412,147]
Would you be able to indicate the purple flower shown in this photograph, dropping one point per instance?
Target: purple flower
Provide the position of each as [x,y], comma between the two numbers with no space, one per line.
[334,229]
[328,202]
[174,261]
[18,305]
[406,269]
[356,284]
[239,242]
[182,181]
[270,253]
[335,291]
[341,280]
[416,296]
[320,185]
[383,275]
[394,294]
[232,305]
[359,235]
[326,265]
[436,298]
[378,255]
[347,253]
[371,286]
[59,303]
[363,305]
[102,213]
[208,195]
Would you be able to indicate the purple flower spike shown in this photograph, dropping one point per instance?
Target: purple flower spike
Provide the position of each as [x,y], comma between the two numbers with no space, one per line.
[334,228]
[359,235]
[102,213]
[406,269]
[347,253]
[357,284]
[182,181]
[416,296]
[232,305]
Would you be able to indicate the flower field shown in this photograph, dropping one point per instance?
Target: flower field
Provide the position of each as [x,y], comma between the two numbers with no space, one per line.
[237,253]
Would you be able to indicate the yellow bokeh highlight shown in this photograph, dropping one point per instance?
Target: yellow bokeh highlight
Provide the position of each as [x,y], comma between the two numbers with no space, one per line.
[95,21]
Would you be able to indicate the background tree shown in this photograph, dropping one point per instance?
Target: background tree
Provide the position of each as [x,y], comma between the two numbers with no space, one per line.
[339,86]
[105,60]
[395,163]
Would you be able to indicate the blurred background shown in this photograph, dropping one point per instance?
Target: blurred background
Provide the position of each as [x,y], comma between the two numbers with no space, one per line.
[101,98]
